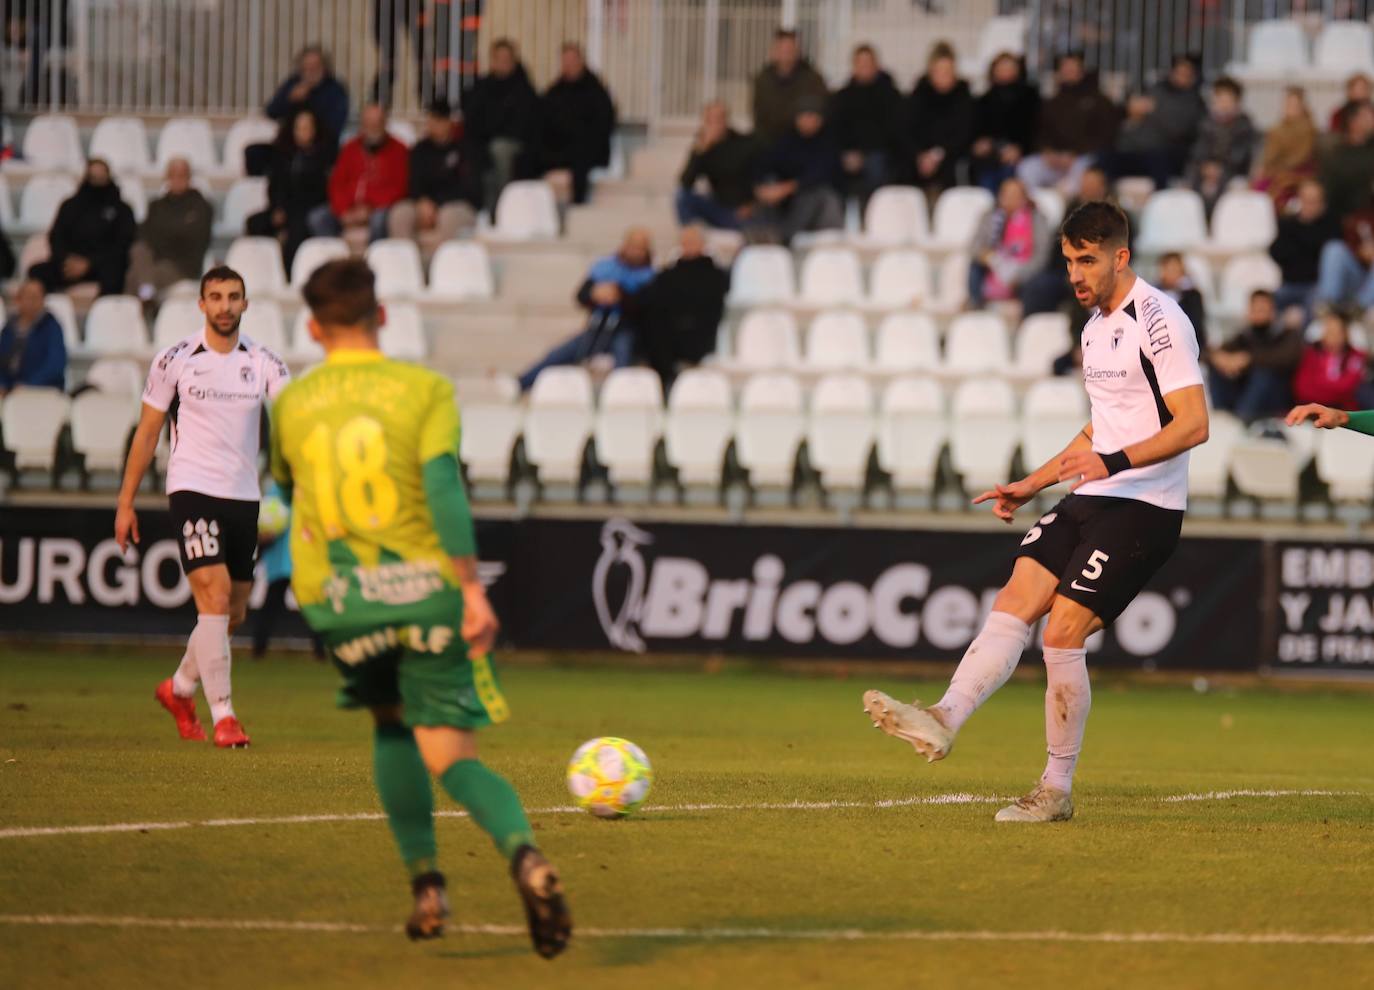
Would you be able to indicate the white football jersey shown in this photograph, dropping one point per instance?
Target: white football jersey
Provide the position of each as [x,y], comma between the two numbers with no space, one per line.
[215,403]
[1132,358]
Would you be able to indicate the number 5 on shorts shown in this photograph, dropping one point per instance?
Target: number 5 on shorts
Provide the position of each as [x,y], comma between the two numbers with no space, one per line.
[1094,569]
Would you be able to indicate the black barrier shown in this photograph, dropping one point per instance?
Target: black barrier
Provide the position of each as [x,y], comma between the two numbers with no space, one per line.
[1325,605]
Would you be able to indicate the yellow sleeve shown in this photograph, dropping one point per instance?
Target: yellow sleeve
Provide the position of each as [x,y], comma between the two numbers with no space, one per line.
[440,430]
[276,458]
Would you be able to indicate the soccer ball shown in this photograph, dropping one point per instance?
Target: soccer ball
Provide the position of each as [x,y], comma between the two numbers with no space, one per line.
[273,517]
[609,777]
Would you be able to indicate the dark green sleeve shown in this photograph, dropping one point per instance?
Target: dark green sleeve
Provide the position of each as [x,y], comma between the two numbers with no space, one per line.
[1362,422]
[448,504]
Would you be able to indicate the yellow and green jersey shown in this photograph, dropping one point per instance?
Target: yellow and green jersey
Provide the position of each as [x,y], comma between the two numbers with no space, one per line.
[368,449]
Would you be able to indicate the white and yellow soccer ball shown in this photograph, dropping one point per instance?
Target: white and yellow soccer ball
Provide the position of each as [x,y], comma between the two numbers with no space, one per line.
[609,777]
[273,517]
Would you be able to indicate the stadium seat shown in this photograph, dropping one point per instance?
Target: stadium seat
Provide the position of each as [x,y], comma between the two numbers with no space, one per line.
[396,264]
[538,277]
[768,433]
[244,198]
[116,376]
[629,422]
[526,211]
[7,214]
[60,305]
[461,270]
[836,341]
[1050,203]
[259,261]
[1242,275]
[492,418]
[176,320]
[304,350]
[1053,412]
[1041,338]
[314,252]
[402,130]
[957,213]
[976,343]
[906,342]
[190,138]
[1345,461]
[951,286]
[123,143]
[840,434]
[101,424]
[115,325]
[697,431]
[39,201]
[52,143]
[830,276]
[1209,464]
[1277,49]
[983,433]
[1173,220]
[1266,470]
[1199,269]
[1342,48]
[896,216]
[900,278]
[242,133]
[264,324]
[1243,220]
[997,34]
[766,340]
[911,435]
[403,336]
[762,275]
[558,424]
[132,192]
[31,420]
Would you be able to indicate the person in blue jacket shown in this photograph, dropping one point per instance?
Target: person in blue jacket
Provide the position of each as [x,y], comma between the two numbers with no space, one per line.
[313,86]
[32,350]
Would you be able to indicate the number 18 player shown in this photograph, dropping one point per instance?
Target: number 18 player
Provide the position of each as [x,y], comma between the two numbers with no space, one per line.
[1085,560]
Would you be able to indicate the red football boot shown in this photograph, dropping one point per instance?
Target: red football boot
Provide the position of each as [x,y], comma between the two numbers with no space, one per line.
[181,709]
[229,733]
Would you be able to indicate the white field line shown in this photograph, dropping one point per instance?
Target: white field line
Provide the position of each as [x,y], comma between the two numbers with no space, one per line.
[705,934]
[958,797]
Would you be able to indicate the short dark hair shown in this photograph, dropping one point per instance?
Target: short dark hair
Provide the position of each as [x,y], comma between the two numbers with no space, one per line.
[1062,56]
[1097,222]
[342,293]
[1261,294]
[503,43]
[1226,83]
[785,33]
[1169,256]
[864,49]
[1338,313]
[222,273]
[440,107]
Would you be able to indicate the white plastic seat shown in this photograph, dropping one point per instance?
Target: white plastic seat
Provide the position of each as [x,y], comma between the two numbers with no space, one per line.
[830,276]
[840,431]
[558,423]
[1343,47]
[1006,33]
[766,340]
[40,200]
[116,376]
[911,433]
[245,197]
[951,285]
[1041,338]
[1173,220]
[957,214]
[396,264]
[698,427]
[461,270]
[60,305]
[176,320]
[762,275]
[977,343]
[492,418]
[304,350]
[52,143]
[1265,469]
[314,252]
[1050,202]
[264,324]
[835,341]
[134,195]
[123,143]
[1242,275]
[1209,464]
[244,132]
[900,278]
[101,424]
[1276,49]
[906,342]
[896,216]
[769,429]
[1345,461]
[115,325]
[31,420]
[259,261]
[1243,220]
[1054,410]
[629,423]
[983,433]
[7,214]
[403,336]
[190,138]
[526,211]
[402,130]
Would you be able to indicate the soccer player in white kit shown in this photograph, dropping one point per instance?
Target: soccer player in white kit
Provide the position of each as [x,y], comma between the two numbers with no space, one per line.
[214,386]
[1084,561]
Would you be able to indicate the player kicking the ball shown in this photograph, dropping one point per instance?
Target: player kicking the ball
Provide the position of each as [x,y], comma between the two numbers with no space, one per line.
[1085,560]
[213,386]
[385,570]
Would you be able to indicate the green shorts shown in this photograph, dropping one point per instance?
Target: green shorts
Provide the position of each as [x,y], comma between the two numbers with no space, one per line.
[418,660]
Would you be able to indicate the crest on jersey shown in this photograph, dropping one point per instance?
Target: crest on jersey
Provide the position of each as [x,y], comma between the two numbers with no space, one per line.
[1117,334]
[246,374]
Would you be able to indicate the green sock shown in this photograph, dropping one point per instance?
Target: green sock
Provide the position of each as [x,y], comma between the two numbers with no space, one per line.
[492,803]
[403,783]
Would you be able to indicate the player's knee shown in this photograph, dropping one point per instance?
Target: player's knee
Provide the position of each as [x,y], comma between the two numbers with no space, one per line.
[214,602]
[1066,632]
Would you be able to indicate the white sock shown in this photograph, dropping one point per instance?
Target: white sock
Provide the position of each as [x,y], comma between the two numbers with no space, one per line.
[186,678]
[210,646]
[1068,699]
[988,662]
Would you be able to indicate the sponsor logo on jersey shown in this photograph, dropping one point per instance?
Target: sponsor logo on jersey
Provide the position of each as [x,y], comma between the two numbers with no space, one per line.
[435,639]
[403,583]
[200,539]
[246,374]
[219,395]
[1091,374]
[1117,334]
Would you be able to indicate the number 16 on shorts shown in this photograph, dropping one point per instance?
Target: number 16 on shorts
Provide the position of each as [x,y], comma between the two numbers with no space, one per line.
[1092,572]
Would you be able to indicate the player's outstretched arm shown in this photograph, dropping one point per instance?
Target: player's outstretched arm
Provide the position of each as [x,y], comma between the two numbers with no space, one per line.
[1326,418]
[1008,498]
[141,452]
[1187,429]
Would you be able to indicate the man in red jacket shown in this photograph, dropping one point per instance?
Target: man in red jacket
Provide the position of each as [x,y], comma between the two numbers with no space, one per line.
[370,176]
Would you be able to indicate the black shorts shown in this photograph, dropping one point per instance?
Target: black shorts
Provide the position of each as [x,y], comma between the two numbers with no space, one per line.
[1103,549]
[216,531]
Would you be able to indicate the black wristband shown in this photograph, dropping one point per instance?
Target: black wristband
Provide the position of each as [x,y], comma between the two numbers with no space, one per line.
[1116,462]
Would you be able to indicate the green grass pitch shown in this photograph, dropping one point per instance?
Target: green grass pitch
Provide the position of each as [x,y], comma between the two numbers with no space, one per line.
[83,743]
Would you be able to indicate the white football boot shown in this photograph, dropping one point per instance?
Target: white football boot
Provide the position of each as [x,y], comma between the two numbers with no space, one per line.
[917,725]
[1042,804]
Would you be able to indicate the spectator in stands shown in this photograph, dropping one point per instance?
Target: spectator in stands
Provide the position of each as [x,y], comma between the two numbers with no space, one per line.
[1010,246]
[939,122]
[867,115]
[90,239]
[1048,289]
[1298,247]
[609,283]
[370,177]
[33,352]
[781,86]
[1005,122]
[297,183]
[1345,275]
[173,238]
[725,159]
[313,86]
[1252,373]
[578,121]
[440,198]
[1358,90]
[1346,167]
[1178,109]
[1173,279]
[1077,124]
[678,314]
[1224,146]
[1290,150]
[1331,370]
[798,180]
[501,122]
[1142,144]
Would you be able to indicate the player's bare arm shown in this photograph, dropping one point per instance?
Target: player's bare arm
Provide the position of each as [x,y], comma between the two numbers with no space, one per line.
[141,452]
[479,619]
[1008,498]
[1187,429]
